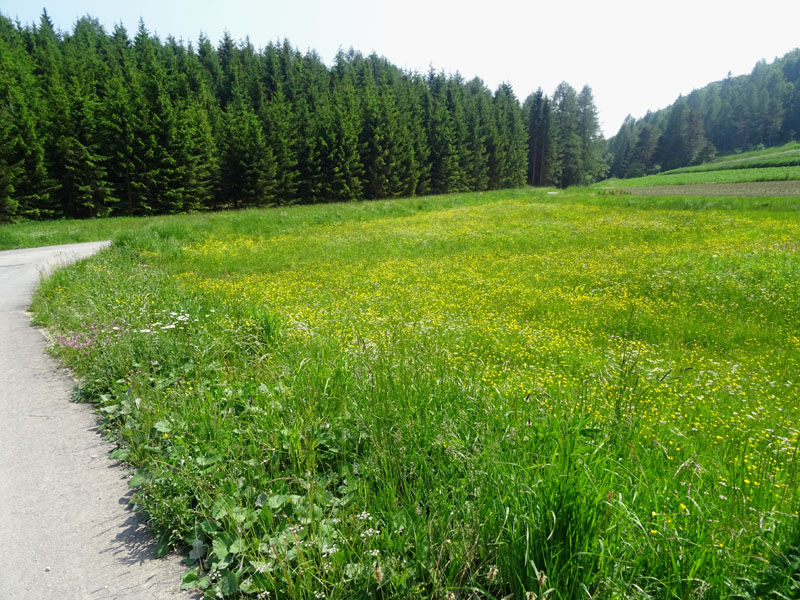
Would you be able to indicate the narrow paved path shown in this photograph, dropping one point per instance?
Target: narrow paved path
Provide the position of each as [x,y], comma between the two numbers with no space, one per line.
[65,527]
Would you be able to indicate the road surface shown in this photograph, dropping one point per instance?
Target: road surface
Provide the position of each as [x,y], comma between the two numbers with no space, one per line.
[66,530]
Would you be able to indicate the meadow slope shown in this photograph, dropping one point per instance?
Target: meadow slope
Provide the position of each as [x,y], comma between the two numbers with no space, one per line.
[472,396]
[738,175]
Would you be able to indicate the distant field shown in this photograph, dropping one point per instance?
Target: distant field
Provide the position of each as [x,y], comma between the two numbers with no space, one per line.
[762,152]
[724,176]
[789,158]
[760,189]
[478,396]
[787,155]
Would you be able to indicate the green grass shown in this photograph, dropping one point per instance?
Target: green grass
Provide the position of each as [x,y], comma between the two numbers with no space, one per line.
[790,190]
[50,233]
[471,396]
[785,159]
[31,234]
[724,176]
[762,152]
[775,156]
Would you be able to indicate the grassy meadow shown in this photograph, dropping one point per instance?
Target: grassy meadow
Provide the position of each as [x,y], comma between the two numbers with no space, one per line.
[771,172]
[730,175]
[779,156]
[753,189]
[514,394]
[789,158]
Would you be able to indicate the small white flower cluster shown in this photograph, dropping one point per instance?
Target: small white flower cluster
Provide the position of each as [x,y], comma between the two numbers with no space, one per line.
[176,320]
[370,533]
[261,567]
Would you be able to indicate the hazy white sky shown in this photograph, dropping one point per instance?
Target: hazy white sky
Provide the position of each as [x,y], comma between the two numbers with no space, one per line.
[635,54]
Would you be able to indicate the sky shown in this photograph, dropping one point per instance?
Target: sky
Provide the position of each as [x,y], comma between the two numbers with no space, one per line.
[636,55]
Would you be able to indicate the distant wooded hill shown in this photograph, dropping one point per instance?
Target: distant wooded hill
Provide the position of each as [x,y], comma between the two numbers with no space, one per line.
[97,124]
[736,114]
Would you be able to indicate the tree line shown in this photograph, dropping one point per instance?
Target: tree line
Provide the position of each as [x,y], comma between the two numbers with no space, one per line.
[735,114]
[98,124]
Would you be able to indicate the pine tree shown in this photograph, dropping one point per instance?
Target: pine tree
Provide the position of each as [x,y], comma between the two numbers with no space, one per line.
[683,141]
[550,167]
[209,60]
[621,146]
[229,63]
[78,162]
[374,138]
[413,108]
[309,152]
[247,165]
[117,128]
[644,150]
[478,118]
[454,90]
[11,160]
[84,188]
[197,152]
[445,174]
[159,175]
[592,144]
[24,186]
[54,111]
[281,135]
[565,100]
[343,167]
[508,160]
[541,138]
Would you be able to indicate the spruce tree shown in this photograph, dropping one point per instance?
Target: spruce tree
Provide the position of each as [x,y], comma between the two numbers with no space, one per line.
[310,153]
[454,90]
[445,174]
[413,108]
[621,146]
[565,100]
[280,133]
[247,165]
[12,164]
[507,164]
[374,138]
[644,150]
[197,153]
[343,167]
[592,144]
[159,175]
[480,128]
[25,189]
[407,127]
[117,126]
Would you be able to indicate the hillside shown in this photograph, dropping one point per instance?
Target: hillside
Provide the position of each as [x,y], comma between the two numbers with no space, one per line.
[787,155]
[760,173]
[736,114]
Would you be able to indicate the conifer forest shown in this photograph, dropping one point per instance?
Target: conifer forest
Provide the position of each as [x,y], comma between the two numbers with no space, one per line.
[746,112]
[98,124]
